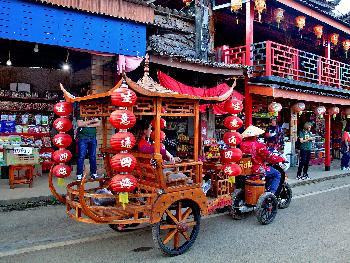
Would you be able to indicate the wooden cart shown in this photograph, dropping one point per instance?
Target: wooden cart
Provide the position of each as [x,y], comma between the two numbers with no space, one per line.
[174,208]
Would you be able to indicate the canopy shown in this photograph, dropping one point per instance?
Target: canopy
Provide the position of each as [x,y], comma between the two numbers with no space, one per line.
[218,91]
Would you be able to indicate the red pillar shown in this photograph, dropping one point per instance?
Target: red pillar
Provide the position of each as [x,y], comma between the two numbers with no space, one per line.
[327,146]
[248,41]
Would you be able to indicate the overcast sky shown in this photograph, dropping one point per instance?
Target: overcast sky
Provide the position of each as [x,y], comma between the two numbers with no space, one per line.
[343,7]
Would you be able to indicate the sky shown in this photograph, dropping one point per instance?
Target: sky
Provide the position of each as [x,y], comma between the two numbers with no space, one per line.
[343,7]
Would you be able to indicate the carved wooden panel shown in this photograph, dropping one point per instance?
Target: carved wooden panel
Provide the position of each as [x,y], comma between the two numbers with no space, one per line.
[96,109]
[145,106]
[178,107]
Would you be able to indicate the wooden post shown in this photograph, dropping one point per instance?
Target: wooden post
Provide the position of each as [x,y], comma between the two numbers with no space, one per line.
[268,70]
[157,155]
[196,131]
[248,41]
[104,132]
[327,146]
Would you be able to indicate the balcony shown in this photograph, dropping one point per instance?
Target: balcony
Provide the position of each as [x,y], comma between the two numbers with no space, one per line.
[273,59]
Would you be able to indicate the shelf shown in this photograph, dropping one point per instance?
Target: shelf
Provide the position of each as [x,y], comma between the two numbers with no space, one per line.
[45,134]
[27,99]
[32,110]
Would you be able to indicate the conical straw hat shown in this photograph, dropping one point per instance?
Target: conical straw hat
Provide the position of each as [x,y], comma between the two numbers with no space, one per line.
[252,131]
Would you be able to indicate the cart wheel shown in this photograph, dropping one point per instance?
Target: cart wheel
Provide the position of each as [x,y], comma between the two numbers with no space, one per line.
[178,228]
[121,227]
[266,208]
[285,197]
[237,203]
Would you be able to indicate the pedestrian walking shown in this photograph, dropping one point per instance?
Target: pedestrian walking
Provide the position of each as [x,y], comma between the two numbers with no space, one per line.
[344,162]
[274,136]
[306,138]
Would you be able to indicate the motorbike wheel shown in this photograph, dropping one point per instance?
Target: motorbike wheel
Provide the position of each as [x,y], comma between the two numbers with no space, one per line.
[285,197]
[266,208]
[237,203]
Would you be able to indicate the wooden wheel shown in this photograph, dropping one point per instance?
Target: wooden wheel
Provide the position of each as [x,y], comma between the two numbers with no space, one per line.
[178,228]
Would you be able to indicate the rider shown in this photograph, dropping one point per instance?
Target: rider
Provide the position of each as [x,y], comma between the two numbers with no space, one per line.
[260,155]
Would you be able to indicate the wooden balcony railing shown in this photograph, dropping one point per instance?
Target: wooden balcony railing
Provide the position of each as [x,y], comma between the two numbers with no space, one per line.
[273,59]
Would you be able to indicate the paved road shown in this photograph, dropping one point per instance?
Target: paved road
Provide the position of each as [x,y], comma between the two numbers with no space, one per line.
[315,228]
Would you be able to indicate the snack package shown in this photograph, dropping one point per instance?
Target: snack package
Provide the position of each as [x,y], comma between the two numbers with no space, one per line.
[18,128]
[8,126]
[37,119]
[12,117]
[4,117]
[25,128]
[44,120]
[25,119]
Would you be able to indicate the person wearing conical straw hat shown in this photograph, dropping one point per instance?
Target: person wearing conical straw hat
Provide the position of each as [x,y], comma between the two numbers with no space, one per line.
[260,156]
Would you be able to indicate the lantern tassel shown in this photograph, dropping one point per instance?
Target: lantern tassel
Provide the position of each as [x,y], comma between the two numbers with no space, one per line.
[334,116]
[232,180]
[61,182]
[123,199]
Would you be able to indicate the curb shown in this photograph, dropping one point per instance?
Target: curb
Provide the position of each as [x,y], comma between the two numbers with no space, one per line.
[26,203]
[318,180]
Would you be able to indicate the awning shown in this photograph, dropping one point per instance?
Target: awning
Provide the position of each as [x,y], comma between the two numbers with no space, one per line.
[305,95]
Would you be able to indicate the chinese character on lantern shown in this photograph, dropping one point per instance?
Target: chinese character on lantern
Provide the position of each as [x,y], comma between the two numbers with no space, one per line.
[126,97]
[124,119]
[62,171]
[59,125]
[58,141]
[228,170]
[59,108]
[126,143]
[228,154]
[126,182]
[126,162]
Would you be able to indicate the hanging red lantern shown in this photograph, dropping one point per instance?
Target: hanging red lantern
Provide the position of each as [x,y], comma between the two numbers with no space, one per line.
[318,30]
[300,22]
[279,16]
[123,183]
[62,140]
[334,38]
[260,6]
[236,5]
[162,136]
[333,111]
[346,46]
[233,106]
[123,162]
[233,122]
[62,124]
[162,123]
[63,108]
[231,155]
[123,97]
[122,141]
[61,156]
[122,119]
[232,169]
[319,111]
[232,138]
[274,108]
[61,171]
[299,107]
[347,112]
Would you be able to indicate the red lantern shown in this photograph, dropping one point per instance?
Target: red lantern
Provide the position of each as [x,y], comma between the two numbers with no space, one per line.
[318,30]
[232,169]
[334,39]
[162,136]
[62,140]
[61,156]
[63,108]
[123,183]
[233,123]
[123,162]
[233,106]
[232,138]
[187,2]
[61,171]
[279,15]
[162,123]
[346,47]
[122,119]
[123,97]
[231,155]
[333,111]
[260,6]
[347,112]
[319,111]
[299,107]
[62,124]
[123,141]
[300,22]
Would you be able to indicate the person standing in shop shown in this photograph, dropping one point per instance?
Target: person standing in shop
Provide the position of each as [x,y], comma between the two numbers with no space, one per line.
[306,138]
[274,136]
[344,162]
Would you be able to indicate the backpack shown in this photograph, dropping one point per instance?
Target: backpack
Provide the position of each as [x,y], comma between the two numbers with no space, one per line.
[297,144]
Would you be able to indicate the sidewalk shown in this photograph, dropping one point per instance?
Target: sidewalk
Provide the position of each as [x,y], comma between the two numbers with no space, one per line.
[40,192]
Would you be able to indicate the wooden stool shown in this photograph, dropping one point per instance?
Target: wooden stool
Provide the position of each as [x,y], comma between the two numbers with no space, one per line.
[26,179]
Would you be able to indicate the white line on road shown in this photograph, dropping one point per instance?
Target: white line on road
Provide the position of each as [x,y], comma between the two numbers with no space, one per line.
[110,235]
[321,191]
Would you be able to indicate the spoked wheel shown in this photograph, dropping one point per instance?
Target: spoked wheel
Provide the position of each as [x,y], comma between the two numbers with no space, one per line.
[178,228]
[237,204]
[285,197]
[266,208]
[122,228]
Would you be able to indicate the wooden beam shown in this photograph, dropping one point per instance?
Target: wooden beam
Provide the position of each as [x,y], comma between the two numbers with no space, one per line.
[314,14]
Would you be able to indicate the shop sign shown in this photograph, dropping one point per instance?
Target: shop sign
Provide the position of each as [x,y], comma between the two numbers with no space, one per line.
[23,150]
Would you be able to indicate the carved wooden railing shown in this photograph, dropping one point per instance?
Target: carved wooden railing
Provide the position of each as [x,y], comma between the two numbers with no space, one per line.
[273,59]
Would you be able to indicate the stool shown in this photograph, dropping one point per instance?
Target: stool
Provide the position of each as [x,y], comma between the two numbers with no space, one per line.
[26,179]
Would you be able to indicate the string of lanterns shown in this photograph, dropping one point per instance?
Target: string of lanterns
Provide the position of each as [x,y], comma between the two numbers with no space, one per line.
[231,156]
[123,163]
[274,108]
[62,141]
